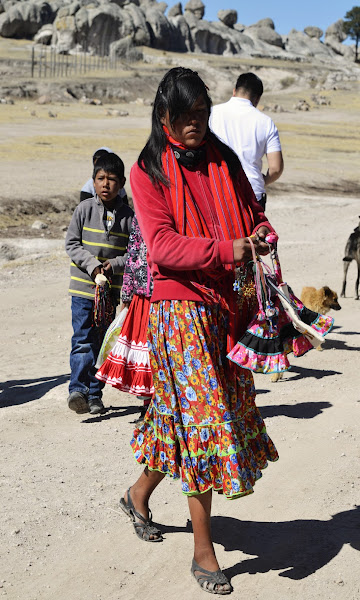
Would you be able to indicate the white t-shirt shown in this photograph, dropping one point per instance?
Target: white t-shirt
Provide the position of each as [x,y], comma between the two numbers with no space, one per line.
[249,132]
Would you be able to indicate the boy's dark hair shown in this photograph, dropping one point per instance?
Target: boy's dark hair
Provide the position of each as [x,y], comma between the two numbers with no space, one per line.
[177,92]
[250,83]
[110,163]
[98,154]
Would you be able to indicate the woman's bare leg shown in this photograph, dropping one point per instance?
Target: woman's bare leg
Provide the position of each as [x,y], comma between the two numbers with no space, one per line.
[204,553]
[200,511]
[142,489]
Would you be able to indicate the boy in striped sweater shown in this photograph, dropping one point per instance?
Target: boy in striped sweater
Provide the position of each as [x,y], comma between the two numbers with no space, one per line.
[96,242]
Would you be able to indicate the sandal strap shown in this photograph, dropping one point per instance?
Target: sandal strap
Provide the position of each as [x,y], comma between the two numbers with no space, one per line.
[144,527]
[208,580]
[146,530]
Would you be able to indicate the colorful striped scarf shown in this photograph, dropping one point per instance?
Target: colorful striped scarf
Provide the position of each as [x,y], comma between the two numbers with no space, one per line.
[235,216]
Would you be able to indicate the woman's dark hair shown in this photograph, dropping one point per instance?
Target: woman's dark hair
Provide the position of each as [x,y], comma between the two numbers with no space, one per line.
[110,163]
[178,91]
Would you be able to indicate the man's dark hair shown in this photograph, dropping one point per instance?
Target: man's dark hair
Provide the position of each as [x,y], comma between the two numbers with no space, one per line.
[110,163]
[177,92]
[98,153]
[250,83]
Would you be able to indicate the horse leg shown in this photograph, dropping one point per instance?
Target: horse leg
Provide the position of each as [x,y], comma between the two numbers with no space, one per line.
[357,282]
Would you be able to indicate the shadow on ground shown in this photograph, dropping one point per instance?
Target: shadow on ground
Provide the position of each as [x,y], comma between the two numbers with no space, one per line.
[20,391]
[296,548]
[304,410]
[112,412]
[316,373]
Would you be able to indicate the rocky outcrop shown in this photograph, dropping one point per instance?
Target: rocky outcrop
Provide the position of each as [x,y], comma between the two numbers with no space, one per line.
[116,26]
[196,8]
[334,36]
[314,32]
[299,43]
[228,17]
[24,19]
[175,10]
[264,31]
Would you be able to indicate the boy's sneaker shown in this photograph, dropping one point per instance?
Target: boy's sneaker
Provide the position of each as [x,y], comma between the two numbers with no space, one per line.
[77,402]
[95,406]
[140,419]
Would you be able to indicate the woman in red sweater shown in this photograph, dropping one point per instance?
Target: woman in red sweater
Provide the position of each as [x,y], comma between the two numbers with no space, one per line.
[196,210]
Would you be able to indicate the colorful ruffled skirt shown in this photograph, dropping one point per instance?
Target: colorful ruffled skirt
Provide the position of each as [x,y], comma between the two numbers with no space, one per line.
[127,367]
[202,424]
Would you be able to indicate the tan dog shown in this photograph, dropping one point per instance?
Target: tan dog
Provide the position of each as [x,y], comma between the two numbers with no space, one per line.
[320,301]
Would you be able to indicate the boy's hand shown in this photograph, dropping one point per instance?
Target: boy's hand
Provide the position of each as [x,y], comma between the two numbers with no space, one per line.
[107,268]
[95,272]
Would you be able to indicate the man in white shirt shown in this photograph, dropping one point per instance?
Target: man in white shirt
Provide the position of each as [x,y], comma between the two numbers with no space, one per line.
[250,133]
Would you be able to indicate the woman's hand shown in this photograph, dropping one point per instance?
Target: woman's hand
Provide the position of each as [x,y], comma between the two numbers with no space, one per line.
[242,248]
[108,270]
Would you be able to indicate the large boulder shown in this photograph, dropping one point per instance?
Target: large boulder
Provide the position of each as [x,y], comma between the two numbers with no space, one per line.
[300,44]
[95,29]
[334,36]
[217,38]
[228,17]
[314,32]
[264,31]
[336,30]
[181,39]
[44,35]
[265,23]
[24,19]
[160,28]
[196,8]
[175,10]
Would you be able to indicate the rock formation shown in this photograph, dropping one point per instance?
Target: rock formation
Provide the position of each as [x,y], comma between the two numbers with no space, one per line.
[114,26]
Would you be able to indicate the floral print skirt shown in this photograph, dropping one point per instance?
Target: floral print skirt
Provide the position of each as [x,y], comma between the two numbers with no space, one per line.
[202,424]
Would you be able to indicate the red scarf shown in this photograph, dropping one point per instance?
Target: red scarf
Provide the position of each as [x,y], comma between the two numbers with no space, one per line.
[235,216]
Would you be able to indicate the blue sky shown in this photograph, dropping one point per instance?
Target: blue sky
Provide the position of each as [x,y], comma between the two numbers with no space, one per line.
[286,14]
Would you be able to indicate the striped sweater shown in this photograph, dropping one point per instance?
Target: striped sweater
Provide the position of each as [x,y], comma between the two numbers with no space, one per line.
[89,244]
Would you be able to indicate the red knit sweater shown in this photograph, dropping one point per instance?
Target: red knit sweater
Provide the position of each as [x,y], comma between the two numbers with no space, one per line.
[173,258]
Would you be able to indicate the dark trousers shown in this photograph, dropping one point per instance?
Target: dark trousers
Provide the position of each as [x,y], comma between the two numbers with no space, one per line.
[262,201]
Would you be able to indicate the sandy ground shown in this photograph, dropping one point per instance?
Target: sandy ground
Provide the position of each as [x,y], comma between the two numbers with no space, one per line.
[62,533]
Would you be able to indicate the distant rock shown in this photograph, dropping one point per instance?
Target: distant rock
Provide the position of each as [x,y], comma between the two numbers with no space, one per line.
[334,36]
[302,105]
[195,7]
[44,35]
[175,10]
[336,30]
[300,44]
[228,17]
[118,27]
[264,30]
[39,225]
[266,23]
[24,19]
[314,32]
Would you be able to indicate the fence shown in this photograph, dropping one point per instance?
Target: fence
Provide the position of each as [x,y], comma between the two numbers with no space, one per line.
[46,62]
